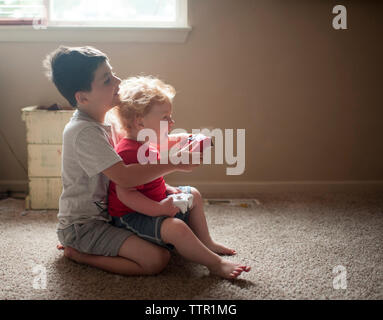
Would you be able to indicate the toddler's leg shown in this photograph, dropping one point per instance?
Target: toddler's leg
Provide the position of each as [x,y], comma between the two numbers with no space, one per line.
[198,224]
[176,232]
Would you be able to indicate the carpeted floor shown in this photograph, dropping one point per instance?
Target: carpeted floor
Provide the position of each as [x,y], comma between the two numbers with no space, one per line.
[292,241]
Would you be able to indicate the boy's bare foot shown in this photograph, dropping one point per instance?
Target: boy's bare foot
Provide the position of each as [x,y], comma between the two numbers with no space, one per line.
[71,253]
[221,249]
[228,269]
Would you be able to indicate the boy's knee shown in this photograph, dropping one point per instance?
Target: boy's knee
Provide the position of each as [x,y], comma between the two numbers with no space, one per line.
[158,261]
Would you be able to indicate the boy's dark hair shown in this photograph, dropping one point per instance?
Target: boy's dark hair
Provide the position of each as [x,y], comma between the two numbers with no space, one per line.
[72,69]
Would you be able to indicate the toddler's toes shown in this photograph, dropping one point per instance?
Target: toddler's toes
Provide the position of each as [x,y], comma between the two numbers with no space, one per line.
[227,269]
[245,268]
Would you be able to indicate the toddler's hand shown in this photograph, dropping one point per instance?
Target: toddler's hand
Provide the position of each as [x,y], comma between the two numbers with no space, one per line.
[172,190]
[168,208]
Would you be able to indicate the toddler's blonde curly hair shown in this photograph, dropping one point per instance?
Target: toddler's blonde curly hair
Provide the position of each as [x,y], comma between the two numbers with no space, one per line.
[138,95]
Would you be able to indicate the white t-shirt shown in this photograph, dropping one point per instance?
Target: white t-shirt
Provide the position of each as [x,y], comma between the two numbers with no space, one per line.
[87,151]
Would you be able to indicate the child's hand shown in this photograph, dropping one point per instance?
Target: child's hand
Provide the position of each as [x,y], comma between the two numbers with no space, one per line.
[167,207]
[185,153]
[172,190]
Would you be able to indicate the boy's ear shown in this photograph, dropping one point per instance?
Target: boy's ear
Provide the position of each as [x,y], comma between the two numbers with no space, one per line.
[81,97]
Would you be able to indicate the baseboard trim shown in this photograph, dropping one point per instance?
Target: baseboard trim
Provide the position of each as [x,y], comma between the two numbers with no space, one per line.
[252,189]
[14,186]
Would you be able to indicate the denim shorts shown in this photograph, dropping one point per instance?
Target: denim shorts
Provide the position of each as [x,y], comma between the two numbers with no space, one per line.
[147,227]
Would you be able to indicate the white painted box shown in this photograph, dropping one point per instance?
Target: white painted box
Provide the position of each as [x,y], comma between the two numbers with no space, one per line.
[44,193]
[44,131]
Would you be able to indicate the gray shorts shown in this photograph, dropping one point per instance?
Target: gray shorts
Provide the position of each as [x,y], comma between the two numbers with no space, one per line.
[148,227]
[95,237]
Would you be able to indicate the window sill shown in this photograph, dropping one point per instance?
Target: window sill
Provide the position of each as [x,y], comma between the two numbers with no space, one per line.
[94,34]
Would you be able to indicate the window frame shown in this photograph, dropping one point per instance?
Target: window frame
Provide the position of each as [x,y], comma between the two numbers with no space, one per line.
[31,30]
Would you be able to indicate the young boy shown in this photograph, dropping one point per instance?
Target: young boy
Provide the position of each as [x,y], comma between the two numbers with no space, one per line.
[84,77]
[146,210]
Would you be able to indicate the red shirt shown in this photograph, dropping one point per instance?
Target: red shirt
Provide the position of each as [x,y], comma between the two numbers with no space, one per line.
[154,190]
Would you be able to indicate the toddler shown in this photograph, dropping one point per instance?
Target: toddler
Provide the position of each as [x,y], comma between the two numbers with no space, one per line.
[146,210]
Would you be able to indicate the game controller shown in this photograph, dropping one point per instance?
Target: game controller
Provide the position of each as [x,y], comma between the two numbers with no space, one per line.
[183,201]
[204,142]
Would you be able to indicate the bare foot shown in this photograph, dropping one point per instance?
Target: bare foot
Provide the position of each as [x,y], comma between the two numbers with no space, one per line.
[221,249]
[228,270]
[72,253]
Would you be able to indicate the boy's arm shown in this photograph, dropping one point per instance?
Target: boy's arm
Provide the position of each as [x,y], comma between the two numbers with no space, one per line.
[135,174]
[175,138]
[141,203]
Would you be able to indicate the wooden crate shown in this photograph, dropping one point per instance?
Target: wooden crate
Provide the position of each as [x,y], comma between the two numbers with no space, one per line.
[44,160]
[44,144]
[44,193]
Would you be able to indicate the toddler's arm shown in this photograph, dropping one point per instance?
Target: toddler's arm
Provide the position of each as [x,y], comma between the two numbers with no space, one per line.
[136,174]
[141,203]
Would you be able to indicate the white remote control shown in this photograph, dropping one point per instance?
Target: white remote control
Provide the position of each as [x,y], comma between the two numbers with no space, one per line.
[182,200]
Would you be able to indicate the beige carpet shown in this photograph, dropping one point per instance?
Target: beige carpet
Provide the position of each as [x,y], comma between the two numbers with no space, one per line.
[292,241]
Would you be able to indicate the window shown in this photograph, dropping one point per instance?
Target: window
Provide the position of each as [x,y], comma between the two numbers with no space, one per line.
[97,13]
[94,21]
[15,12]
